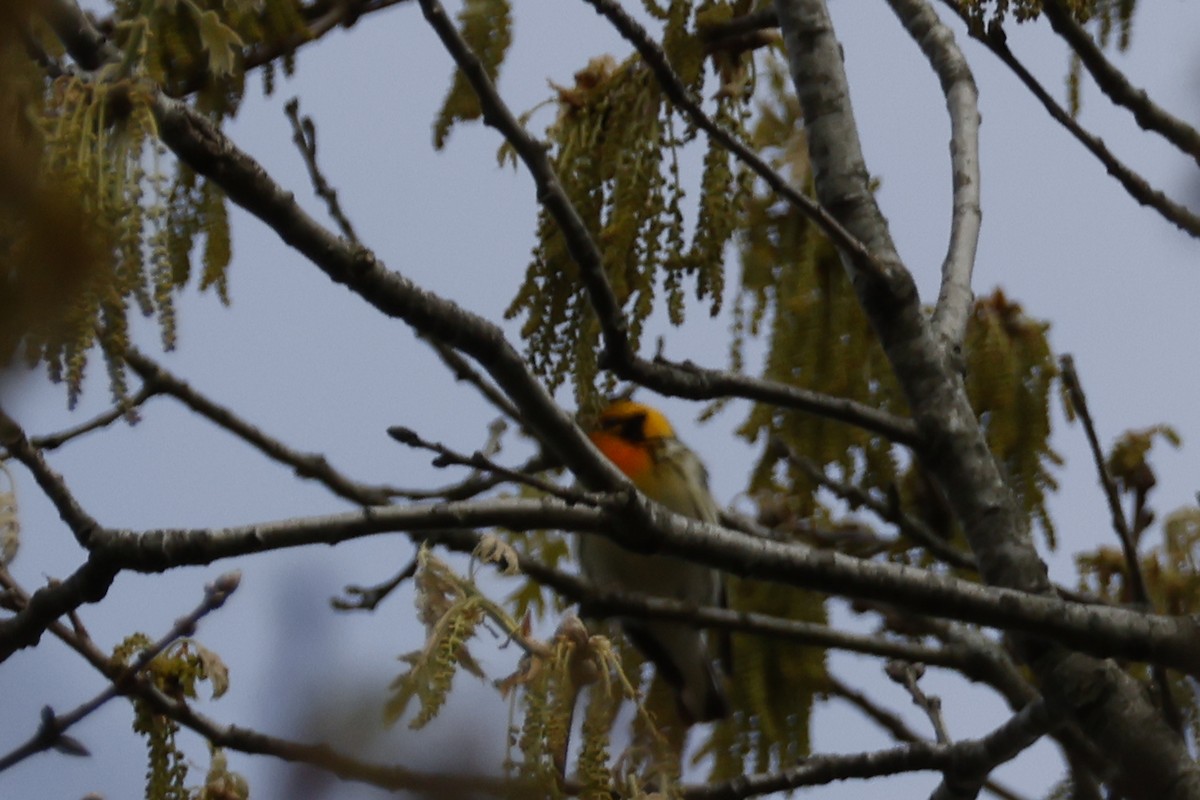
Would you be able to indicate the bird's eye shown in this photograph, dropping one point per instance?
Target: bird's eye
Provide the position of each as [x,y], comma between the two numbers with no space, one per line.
[633,428]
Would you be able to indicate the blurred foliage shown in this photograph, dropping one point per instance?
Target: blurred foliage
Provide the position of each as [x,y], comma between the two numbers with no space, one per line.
[176,672]
[47,250]
[1127,460]
[775,684]
[1107,14]
[221,783]
[545,547]
[1010,376]
[95,218]
[451,610]
[796,294]
[194,48]
[10,518]
[552,682]
[1170,569]
[615,145]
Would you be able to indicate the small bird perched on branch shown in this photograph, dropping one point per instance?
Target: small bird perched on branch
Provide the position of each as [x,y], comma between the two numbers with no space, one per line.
[641,443]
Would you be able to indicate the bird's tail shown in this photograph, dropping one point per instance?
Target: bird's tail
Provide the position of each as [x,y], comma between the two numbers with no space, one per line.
[683,660]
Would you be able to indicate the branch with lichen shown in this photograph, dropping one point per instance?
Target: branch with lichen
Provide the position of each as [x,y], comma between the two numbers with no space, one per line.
[936,41]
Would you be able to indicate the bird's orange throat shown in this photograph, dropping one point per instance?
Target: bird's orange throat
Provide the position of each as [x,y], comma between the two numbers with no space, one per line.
[634,459]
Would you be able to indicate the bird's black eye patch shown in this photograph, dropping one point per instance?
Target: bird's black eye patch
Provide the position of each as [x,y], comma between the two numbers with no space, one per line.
[631,428]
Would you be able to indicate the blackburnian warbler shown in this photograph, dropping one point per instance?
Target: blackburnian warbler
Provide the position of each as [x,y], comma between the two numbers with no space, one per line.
[641,443]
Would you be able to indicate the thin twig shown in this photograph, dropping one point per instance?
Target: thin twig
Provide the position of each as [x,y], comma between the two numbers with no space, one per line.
[18,446]
[968,757]
[964,780]
[53,441]
[899,730]
[856,497]
[478,461]
[463,371]
[368,598]
[1070,379]
[1127,537]
[908,674]
[306,465]
[992,665]
[51,732]
[477,483]
[304,134]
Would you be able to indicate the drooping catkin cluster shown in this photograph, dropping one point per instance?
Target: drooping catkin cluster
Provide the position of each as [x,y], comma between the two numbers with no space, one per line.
[572,685]
[177,672]
[125,216]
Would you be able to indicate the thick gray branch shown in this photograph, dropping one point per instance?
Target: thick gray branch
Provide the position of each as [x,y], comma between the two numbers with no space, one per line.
[1098,629]
[1151,761]
[962,101]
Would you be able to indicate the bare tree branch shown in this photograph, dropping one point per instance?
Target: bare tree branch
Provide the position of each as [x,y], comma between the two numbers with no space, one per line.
[1151,760]
[1134,184]
[680,380]
[1172,641]
[463,371]
[53,441]
[478,461]
[1149,115]
[304,134]
[1127,538]
[54,727]
[855,497]
[596,600]
[965,778]
[908,674]
[311,466]
[368,598]
[967,757]
[13,439]
[1070,379]
[88,584]
[955,298]
[898,728]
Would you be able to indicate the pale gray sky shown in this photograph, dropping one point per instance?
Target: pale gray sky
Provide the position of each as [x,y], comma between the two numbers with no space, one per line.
[315,367]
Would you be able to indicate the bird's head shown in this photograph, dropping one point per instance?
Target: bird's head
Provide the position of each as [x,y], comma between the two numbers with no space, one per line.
[626,432]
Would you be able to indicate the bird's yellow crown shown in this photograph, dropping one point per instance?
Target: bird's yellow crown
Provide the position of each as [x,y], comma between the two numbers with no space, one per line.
[627,433]
[634,422]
